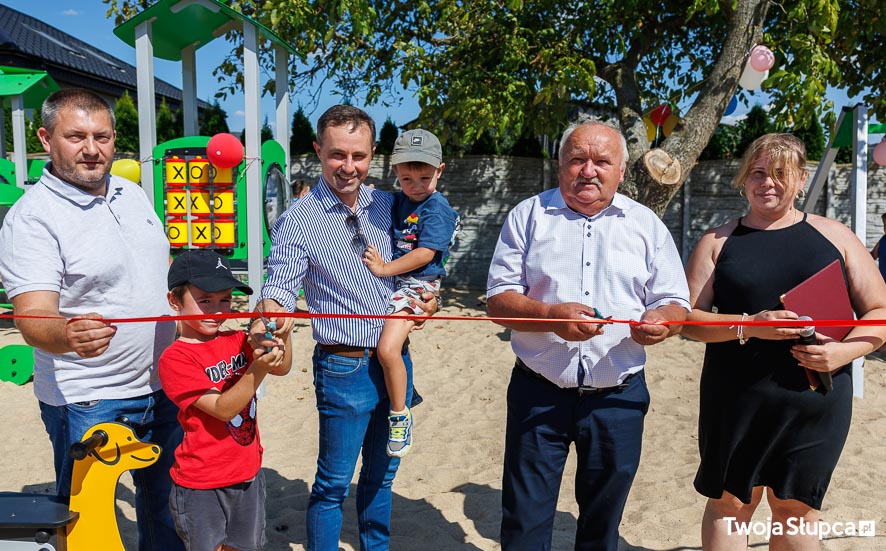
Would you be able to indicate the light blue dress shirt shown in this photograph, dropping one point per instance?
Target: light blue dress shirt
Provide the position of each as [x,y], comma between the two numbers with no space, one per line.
[622,261]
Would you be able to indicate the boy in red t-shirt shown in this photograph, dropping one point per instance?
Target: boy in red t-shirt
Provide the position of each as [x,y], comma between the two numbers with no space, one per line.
[218,495]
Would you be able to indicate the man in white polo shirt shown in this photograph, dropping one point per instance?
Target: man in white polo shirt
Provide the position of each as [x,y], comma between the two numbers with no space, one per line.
[85,244]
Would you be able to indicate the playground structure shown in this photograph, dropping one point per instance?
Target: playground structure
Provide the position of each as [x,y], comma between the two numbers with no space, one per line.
[200,204]
[40,522]
[21,89]
[851,130]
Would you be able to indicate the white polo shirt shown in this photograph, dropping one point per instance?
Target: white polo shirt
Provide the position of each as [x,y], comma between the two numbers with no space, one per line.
[107,255]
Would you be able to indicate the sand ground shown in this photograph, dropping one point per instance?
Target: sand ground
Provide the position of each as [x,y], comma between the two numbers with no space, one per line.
[447,493]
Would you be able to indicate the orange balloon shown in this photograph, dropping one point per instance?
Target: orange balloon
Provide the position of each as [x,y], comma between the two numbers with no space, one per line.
[669,124]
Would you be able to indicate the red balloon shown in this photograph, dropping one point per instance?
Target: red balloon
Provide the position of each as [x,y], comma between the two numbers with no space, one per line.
[660,114]
[224,150]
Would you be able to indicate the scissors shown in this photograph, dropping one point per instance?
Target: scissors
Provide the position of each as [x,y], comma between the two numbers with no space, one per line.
[597,314]
[270,326]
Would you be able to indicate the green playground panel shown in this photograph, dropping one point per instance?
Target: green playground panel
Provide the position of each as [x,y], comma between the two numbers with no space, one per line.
[7,172]
[217,197]
[35,169]
[16,363]
[843,138]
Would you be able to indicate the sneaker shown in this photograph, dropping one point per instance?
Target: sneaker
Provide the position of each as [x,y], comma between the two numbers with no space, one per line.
[399,434]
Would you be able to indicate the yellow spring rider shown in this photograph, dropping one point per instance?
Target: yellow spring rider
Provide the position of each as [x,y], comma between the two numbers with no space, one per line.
[41,522]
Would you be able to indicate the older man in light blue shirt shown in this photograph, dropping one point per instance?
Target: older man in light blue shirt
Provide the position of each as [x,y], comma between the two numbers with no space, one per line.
[576,253]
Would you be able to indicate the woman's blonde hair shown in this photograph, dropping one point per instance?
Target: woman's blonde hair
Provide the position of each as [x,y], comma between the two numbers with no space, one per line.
[785,151]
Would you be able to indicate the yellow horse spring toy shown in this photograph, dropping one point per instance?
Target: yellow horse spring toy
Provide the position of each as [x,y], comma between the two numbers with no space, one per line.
[38,522]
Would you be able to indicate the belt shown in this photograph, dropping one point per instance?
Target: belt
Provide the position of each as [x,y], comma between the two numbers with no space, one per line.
[346,350]
[582,390]
[349,351]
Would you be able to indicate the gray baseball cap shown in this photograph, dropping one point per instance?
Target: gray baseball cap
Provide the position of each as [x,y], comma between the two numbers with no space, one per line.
[417,145]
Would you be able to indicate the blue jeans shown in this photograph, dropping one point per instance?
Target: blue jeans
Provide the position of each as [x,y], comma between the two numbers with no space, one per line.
[353,407]
[153,418]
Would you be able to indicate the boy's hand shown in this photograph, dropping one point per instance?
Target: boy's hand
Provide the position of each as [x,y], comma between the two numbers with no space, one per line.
[373,260]
[268,360]
[429,304]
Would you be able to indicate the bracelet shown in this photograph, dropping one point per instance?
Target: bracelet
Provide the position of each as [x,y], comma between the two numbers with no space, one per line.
[740,331]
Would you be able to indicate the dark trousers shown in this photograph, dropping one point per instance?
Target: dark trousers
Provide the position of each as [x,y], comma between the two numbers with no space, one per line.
[543,420]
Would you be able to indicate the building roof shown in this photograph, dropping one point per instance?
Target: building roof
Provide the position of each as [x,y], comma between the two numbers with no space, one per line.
[29,43]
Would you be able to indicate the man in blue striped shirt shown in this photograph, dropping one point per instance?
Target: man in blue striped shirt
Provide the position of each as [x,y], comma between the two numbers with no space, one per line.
[318,244]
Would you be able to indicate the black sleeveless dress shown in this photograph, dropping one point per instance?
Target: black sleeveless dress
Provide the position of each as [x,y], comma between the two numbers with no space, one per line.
[759,423]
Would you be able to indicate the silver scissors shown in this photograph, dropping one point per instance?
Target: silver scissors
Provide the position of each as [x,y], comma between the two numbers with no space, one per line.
[270,326]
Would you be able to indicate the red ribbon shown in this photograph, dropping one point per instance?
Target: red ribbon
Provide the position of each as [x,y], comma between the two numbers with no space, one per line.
[307,315]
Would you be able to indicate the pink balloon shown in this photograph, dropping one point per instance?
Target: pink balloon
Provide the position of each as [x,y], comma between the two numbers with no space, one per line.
[762,58]
[224,150]
[880,153]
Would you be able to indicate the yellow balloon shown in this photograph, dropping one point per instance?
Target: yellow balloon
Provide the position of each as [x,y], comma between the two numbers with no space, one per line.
[127,168]
[669,124]
[650,129]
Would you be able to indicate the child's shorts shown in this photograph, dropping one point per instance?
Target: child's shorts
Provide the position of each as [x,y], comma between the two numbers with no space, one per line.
[408,289]
[233,515]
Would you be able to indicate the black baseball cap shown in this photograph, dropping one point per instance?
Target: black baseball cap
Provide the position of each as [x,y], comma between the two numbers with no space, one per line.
[206,270]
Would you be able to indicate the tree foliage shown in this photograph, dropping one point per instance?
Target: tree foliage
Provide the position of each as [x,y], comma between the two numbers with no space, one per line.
[723,144]
[127,124]
[752,127]
[386,137]
[214,120]
[31,139]
[812,134]
[302,138]
[7,130]
[499,68]
[266,133]
[166,127]
[32,142]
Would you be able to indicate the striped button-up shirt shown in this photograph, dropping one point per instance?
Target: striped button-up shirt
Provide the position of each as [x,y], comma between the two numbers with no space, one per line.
[622,261]
[314,247]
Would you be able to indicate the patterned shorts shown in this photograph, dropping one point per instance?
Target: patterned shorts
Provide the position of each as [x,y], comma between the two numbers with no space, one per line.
[409,289]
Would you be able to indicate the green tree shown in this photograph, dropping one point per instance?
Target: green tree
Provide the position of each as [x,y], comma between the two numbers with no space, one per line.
[32,142]
[302,139]
[812,135]
[386,137]
[166,128]
[752,127]
[723,144]
[266,132]
[127,125]
[7,129]
[213,120]
[526,64]
[31,138]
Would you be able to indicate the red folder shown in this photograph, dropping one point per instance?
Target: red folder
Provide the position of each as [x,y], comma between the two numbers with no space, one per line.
[822,296]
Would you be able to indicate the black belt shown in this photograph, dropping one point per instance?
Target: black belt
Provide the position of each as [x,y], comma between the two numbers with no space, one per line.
[582,390]
[347,351]
[354,351]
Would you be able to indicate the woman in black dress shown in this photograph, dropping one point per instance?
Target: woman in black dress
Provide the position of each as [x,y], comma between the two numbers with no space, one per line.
[760,424]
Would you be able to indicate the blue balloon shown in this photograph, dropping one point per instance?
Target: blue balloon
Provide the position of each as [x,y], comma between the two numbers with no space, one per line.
[733,103]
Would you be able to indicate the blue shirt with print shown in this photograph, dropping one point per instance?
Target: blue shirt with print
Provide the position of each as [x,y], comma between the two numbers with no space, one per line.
[430,224]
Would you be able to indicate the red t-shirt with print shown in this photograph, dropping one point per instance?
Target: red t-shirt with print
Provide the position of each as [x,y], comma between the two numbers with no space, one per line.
[213,454]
